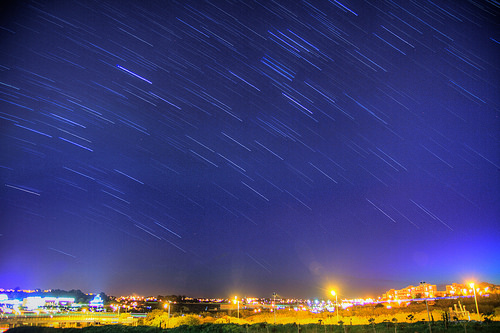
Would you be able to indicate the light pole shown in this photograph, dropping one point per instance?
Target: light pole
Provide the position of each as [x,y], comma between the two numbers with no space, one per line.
[167,305]
[336,304]
[427,306]
[274,308]
[475,298]
[237,301]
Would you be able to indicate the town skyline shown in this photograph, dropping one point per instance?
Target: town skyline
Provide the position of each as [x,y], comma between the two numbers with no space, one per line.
[436,290]
[460,303]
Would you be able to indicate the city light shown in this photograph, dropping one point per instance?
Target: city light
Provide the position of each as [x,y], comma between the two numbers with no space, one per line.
[47,308]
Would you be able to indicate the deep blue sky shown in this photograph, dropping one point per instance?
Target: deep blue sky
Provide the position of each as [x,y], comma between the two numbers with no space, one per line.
[214,148]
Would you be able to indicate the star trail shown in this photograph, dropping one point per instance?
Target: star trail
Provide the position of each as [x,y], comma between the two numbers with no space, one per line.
[213,147]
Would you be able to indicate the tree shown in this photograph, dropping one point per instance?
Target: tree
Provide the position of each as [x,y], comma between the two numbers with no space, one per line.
[395,321]
[386,321]
[157,318]
[445,318]
[189,320]
[372,321]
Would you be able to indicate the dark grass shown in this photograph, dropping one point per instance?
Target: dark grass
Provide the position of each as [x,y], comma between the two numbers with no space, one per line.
[437,327]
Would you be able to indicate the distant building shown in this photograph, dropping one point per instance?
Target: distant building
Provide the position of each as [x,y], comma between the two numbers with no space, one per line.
[460,289]
[36,302]
[9,305]
[456,289]
[96,304]
[424,290]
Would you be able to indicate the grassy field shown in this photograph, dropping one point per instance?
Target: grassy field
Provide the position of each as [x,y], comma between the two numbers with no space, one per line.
[420,327]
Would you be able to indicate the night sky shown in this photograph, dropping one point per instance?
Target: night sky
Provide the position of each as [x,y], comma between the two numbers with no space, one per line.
[220,148]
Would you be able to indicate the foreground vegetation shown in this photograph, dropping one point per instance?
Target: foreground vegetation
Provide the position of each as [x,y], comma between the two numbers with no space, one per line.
[386,327]
[368,318]
[356,315]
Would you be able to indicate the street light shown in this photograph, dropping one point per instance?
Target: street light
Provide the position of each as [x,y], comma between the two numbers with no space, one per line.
[427,306]
[236,300]
[167,305]
[475,297]
[274,308]
[336,304]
